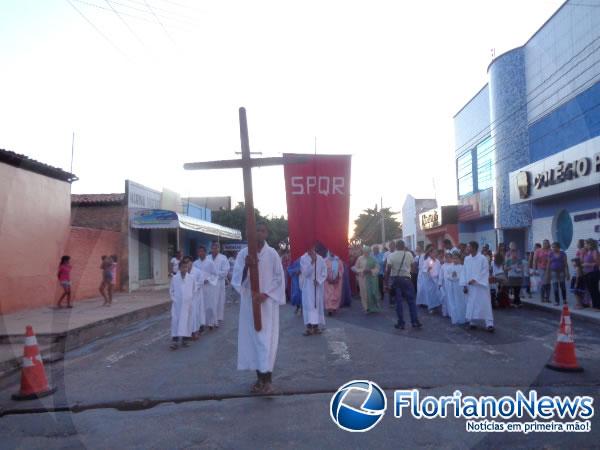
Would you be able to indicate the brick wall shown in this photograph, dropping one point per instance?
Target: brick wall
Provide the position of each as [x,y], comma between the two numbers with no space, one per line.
[102,217]
[85,247]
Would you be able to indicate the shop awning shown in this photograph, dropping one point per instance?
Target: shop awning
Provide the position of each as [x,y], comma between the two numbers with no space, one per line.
[162,219]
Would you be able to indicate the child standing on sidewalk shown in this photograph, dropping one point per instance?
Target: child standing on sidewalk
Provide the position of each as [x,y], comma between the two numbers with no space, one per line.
[64,278]
[578,285]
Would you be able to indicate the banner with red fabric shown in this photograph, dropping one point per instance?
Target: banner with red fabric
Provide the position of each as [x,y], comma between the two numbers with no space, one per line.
[318,203]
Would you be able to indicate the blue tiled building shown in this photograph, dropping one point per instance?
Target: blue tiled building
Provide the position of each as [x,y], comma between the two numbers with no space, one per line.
[528,143]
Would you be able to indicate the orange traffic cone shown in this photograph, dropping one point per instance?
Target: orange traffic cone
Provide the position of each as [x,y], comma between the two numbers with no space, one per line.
[564,359]
[34,383]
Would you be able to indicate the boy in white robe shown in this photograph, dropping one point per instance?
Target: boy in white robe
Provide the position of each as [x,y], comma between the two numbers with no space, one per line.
[209,272]
[222,267]
[422,278]
[431,287]
[183,286]
[311,286]
[475,281]
[257,349]
[457,301]
[199,319]
[442,281]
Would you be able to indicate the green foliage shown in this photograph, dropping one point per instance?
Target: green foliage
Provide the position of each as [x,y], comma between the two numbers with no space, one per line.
[367,227]
[236,218]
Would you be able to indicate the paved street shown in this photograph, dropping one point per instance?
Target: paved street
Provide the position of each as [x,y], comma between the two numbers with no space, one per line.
[129,390]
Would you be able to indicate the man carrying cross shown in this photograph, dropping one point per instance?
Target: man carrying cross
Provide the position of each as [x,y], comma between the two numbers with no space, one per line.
[257,274]
[257,349]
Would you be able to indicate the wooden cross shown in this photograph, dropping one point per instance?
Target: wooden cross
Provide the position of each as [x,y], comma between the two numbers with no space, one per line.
[246,164]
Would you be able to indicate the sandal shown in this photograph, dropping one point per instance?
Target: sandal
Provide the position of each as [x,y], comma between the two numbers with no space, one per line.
[257,387]
[267,389]
[307,332]
[174,346]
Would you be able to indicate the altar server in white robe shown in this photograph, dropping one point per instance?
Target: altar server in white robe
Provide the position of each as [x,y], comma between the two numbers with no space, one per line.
[443,283]
[208,271]
[313,308]
[475,281]
[257,350]
[199,316]
[183,286]
[431,285]
[457,300]
[222,266]
[422,276]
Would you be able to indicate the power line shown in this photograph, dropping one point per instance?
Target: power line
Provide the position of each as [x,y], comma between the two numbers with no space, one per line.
[135,16]
[158,20]
[97,29]
[124,22]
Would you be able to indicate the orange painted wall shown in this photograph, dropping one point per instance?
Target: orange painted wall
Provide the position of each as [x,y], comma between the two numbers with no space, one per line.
[85,247]
[35,211]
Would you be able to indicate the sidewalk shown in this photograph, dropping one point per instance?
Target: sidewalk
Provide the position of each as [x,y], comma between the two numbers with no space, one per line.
[60,330]
[587,314]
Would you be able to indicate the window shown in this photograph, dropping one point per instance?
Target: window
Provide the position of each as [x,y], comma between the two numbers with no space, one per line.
[464,173]
[562,229]
[485,164]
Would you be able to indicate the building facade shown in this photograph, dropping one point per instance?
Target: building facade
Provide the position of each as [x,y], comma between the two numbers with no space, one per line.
[527,143]
[439,224]
[412,233]
[153,225]
[35,209]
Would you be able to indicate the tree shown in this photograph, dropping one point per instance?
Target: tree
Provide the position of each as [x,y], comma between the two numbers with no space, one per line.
[236,218]
[367,227]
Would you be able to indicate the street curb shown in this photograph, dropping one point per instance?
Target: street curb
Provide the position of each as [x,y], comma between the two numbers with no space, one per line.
[60,343]
[550,308]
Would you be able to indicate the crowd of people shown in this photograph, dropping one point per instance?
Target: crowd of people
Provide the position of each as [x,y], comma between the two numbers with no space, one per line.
[197,292]
[464,283]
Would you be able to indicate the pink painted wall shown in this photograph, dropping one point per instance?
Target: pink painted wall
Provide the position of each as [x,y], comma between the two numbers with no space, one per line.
[85,247]
[35,212]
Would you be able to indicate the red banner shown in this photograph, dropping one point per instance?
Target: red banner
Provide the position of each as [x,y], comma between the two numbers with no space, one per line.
[318,203]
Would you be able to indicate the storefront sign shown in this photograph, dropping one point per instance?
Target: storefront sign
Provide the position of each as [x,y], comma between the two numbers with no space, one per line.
[156,218]
[575,168]
[437,217]
[139,196]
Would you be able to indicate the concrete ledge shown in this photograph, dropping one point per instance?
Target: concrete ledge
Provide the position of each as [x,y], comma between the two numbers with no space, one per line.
[588,314]
[85,323]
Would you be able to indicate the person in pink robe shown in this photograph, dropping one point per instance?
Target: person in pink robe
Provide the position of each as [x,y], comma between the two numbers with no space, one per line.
[333,284]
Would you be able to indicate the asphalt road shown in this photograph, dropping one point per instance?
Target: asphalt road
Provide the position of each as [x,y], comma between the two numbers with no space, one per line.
[130,391]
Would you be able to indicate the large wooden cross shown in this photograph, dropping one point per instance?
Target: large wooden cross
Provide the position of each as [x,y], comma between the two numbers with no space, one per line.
[246,164]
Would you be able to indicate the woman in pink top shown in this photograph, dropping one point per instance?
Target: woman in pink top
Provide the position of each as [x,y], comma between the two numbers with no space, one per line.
[64,278]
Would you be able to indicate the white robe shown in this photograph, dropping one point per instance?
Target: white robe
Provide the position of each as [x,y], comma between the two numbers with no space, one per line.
[479,304]
[313,309]
[444,287]
[199,317]
[432,289]
[209,272]
[422,281]
[257,350]
[182,310]
[222,266]
[456,298]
